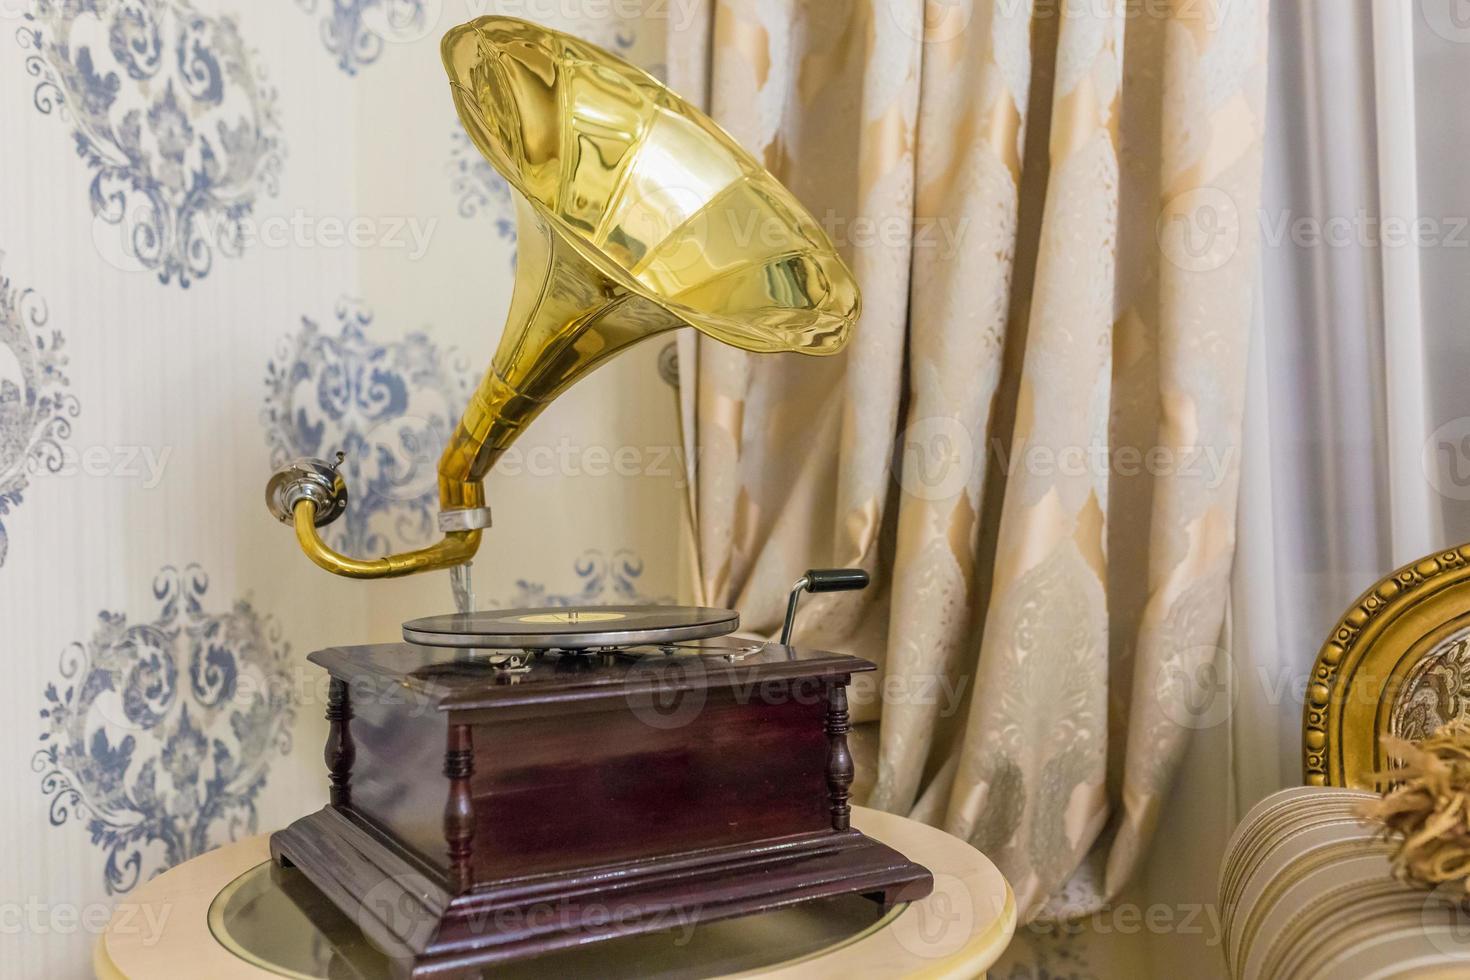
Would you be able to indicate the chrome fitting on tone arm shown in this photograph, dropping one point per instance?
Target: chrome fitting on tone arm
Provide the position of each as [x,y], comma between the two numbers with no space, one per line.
[306,479]
[464,519]
[308,494]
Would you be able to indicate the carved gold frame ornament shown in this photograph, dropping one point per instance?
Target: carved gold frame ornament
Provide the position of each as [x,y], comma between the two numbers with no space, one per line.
[1370,672]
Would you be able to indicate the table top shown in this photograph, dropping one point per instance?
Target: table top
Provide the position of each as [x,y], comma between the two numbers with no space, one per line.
[959,931]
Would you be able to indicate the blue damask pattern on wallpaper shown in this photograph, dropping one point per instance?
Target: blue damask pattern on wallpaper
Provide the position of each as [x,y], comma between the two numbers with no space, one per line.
[159,735]
[480,190]
[387,405]
[607,580]
[172,115]
[35,410]
[354,31]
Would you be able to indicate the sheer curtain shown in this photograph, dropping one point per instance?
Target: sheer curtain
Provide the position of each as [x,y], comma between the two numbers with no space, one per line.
[1354,454]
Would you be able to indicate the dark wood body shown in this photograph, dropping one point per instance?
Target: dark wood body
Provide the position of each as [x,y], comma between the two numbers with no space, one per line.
[479,816]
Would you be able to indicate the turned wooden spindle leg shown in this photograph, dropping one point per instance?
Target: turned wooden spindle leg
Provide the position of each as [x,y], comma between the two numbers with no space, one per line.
[459,811]
[340,752]
[839,759]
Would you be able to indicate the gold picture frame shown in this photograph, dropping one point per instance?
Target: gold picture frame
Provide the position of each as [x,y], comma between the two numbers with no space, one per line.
[1397,662]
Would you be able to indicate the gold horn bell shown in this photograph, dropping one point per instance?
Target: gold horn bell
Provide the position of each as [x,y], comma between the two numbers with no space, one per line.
[636,214]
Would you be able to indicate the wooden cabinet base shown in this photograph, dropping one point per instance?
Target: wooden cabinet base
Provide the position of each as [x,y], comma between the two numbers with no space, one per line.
[478,817]
[401,907]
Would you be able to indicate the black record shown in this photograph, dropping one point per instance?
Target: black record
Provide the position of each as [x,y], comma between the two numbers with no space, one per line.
[571,627]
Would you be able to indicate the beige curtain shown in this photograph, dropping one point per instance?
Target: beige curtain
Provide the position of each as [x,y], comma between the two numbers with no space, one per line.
[1031,442]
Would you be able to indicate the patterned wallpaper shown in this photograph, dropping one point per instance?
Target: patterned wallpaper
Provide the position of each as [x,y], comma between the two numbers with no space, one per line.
[149,743]
[174,116]
[35,406]
[232,233]
[388,407]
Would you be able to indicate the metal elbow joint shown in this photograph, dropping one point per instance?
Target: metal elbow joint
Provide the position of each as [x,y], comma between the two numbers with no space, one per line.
[309,494]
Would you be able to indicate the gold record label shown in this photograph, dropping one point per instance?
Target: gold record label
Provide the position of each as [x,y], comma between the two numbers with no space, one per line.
[572,616]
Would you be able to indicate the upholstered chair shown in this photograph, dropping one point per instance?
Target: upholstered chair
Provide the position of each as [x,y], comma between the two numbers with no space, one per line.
[1306,889]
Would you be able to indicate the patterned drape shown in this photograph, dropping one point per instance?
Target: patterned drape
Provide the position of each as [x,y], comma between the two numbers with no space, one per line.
[1032,440]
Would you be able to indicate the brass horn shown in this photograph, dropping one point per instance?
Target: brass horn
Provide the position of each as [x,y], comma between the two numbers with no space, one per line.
[636,214]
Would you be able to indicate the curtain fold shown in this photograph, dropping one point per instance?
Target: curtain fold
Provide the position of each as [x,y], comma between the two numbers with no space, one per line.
[1030,790]
[1347,475]
[1334,493]
[1415,520]
[1032,442]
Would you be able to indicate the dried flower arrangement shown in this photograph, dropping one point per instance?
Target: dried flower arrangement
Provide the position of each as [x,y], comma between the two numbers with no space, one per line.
[1426,807]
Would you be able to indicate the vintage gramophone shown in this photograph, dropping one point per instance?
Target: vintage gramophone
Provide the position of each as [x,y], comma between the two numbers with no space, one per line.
[514,781]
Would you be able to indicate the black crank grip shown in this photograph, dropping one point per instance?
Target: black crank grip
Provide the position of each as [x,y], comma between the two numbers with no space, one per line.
[836,579]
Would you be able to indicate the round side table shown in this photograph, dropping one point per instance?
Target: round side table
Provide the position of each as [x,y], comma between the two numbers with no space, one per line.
[224,915]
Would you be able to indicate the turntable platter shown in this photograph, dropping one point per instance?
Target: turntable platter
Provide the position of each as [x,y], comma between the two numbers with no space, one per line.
[571,627]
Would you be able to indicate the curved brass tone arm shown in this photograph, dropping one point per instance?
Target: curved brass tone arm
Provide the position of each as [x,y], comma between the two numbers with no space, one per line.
[453,549]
